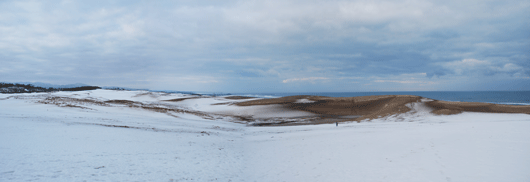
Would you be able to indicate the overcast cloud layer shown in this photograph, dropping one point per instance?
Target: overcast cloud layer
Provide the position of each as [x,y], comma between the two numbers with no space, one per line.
[269,46]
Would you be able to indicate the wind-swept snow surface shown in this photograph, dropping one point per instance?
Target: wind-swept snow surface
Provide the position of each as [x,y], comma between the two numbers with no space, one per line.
[471,147]
[49,143]
[98,136]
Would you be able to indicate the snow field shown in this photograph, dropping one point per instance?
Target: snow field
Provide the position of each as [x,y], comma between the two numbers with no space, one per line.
[43,142]
[50,143]
[407,151]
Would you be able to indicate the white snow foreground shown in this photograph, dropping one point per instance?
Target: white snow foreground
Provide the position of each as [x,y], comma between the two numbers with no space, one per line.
[44,142]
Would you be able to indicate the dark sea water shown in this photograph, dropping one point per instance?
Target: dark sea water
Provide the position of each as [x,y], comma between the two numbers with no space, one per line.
[497,97]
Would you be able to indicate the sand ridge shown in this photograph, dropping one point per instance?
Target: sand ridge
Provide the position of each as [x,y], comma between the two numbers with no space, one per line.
[371,107]
[290,110]
[445,107]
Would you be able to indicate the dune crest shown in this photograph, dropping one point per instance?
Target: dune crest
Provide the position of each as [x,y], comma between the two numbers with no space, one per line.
[445,107]
[371,107]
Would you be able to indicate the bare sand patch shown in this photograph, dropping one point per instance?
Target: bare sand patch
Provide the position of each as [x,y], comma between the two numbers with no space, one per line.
[301,109]
[367,107]
[445,107]
[371,107]
[177,100]
[239,97]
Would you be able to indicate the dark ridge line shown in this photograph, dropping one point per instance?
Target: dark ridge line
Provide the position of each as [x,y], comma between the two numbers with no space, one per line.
[11,88]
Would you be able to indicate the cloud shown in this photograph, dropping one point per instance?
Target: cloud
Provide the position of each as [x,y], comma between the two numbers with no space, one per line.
[470,66]
[406,78]
[255,43]
[437,73]
[310,79]
[404,81]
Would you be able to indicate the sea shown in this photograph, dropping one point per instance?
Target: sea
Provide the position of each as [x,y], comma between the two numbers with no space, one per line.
[496,97]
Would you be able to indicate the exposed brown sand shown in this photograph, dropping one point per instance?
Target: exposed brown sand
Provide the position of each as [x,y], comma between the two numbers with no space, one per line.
[370,107]
[176,100]
[70,102]
[326,109]
[181,99]
[238,97]
[444,107]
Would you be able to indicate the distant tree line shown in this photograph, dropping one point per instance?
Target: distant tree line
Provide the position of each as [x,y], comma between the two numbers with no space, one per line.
[23,88]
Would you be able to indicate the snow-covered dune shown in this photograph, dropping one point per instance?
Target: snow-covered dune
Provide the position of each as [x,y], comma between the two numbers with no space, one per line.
[107,135]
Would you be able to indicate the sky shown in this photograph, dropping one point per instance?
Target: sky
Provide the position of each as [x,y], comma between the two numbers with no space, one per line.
[269,46]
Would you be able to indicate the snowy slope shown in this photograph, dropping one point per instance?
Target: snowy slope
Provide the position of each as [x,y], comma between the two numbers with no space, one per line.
[45,142]
[469,147]
[50,143]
